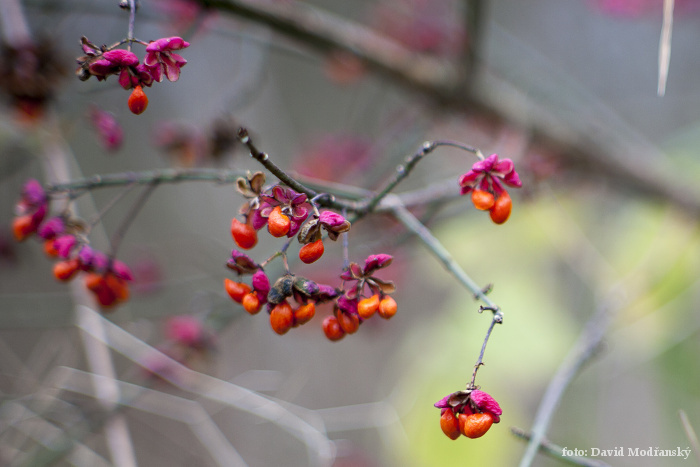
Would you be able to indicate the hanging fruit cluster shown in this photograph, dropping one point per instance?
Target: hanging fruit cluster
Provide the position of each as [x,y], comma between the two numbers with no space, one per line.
[485,182]
[470,413]
[65,239]
[291,301]
[161,61]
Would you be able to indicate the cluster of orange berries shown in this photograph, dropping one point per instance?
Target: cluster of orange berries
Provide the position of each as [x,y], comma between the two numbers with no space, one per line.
[470,413]
[287,213]
[161,61]
[347,315]
[485,181]
[64,239]
[345,320]
[352,307]
[283,316]
[472,426]
[499,209]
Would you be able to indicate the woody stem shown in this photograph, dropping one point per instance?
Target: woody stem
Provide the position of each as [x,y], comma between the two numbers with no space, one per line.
[497,318]
[132,20]
[403,170]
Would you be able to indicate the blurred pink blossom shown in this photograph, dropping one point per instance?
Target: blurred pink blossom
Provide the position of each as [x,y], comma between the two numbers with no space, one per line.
[108,129]
[428,26]
[186,330]
[335,156]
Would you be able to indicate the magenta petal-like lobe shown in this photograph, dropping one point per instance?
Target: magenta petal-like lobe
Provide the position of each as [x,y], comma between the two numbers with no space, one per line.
[33,193]
[294,226]
[257,220]
[512,179]
[486,403]
[468,178]
[51,228]
[331,219]
[38,215]
[121,57]
[261,283]
[300,211]
[157,73]
[166,44]
[325,293]
[177,59]
[64,244]
[347,305]
[298,198]
[121,270]
[125,78]
[279,194]
[503,167]
[172,69]
[374,262]
[151,59]
[172,72]
[486,165]
[443,403]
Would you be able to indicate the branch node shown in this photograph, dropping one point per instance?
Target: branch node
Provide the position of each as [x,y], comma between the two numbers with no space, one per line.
[485,291]
[489,308]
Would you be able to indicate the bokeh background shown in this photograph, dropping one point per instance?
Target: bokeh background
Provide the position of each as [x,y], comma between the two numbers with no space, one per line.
[569,85]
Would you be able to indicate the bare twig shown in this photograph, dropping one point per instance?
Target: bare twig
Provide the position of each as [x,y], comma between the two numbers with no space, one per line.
[496,319]
[440,252]
[403,170]
[275,170]
[132,21]
[146,178]
[354,200]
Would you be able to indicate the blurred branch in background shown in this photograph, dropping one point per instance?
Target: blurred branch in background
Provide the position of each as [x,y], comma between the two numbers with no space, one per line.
[602,145]
[555,451]
[690,432]
[306,429]
[582,351]
[665,46]
[56,168]
[303,424]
